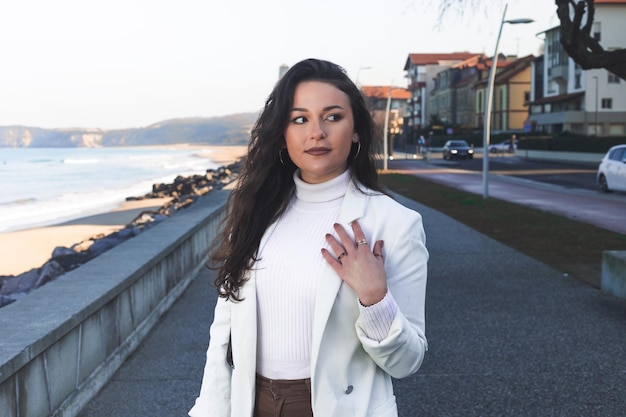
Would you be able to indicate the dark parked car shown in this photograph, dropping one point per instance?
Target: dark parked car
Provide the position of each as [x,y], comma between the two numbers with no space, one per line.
[612,170]
[457,149]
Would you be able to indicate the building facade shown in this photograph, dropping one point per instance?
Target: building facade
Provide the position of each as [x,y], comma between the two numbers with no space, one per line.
[564,97]
[421,71]
[377,98]
[511,94]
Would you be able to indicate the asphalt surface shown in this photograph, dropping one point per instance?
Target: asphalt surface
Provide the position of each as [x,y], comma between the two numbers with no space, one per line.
[560,189]
[508,336]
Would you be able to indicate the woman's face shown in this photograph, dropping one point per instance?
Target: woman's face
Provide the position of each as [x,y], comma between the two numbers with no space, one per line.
[320,131]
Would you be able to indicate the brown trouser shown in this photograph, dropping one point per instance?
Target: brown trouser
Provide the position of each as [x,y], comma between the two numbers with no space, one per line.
[283,398]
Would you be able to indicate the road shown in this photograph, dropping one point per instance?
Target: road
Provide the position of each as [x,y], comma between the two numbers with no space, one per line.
[562,174]
[568,175]
[566,189]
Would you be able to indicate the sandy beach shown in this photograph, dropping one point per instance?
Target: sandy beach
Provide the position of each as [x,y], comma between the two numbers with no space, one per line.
[26,249]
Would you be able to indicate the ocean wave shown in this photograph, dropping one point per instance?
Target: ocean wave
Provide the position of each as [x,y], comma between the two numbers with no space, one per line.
[18,202]
[64,207]
[81,160]
[72,183]
[41,161]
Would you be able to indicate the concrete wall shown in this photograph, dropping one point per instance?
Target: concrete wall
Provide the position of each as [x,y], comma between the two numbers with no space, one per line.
[61,343]
[614,273]
[592,159]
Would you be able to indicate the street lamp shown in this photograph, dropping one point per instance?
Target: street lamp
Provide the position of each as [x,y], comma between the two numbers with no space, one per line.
[358,73]
[489,99]
[386,132]
[595,128]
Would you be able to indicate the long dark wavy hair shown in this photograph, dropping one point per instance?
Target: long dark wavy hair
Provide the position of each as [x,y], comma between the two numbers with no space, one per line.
[265,187]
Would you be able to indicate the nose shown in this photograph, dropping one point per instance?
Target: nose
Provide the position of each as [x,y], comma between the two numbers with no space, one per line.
[317,130]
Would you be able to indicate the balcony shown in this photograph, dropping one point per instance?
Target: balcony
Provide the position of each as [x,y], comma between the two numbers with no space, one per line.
[558,72]
[416,85]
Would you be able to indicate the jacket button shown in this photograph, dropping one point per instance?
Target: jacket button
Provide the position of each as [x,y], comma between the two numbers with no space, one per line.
[349,389]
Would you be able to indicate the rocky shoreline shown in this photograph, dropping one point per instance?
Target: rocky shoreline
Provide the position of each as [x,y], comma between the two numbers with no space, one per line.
[183,191]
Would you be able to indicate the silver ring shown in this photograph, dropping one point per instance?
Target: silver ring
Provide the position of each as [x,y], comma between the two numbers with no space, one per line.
[341,255]
[362,242]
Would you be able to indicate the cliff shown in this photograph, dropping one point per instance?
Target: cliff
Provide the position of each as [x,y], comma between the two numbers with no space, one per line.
[226,130]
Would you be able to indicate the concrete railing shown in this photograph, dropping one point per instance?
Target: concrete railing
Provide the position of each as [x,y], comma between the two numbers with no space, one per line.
[613,279]
[591,159]
[61,343]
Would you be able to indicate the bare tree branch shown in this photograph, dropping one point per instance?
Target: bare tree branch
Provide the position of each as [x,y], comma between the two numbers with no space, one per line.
[579,43]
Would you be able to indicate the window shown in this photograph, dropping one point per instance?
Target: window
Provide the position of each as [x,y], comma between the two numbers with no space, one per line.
[577,128]
[526,96]
[552,87]
[616,129]
[577,84]
[616,154]
[596,31]
[607,103]
[613,79]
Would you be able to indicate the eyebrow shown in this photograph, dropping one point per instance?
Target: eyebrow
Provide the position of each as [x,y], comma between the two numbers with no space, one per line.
[327,108]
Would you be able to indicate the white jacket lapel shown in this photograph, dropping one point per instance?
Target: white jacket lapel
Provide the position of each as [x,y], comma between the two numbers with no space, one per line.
[353,208]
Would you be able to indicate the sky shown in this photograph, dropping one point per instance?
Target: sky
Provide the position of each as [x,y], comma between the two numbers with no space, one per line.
[114,64]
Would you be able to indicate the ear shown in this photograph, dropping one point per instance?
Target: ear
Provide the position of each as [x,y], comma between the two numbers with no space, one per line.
[355,137]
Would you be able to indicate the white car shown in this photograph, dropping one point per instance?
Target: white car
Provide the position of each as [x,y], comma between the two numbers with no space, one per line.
[502,147]
[612,170]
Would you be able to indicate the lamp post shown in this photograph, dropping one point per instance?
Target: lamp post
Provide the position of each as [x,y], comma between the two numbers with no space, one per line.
[489,100]
[595,127]
[358,73]
[386,132]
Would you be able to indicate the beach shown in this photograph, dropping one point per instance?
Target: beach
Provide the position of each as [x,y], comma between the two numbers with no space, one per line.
[23,250]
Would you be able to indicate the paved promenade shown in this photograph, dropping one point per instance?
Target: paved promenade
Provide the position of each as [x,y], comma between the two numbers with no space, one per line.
[508,336]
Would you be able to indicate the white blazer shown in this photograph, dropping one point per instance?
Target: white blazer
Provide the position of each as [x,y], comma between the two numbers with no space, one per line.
[350,373]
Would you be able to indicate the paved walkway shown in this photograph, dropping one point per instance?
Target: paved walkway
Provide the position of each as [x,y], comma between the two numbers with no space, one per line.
[508,336]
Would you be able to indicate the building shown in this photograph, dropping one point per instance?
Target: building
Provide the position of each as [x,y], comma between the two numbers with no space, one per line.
[564,97]
[452,100]
[511,94]
[282,70]
[421,70]
[470,71]
[377,98]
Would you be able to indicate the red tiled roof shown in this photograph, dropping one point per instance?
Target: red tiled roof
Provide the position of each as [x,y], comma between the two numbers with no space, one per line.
[433,59]
[470,62]
[512,68]
[382,91]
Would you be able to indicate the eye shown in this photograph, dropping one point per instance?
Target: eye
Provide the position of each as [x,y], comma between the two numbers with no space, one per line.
[334,117]
[298,120]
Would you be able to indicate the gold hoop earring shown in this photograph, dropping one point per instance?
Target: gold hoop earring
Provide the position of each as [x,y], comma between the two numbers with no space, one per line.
[280,156]
[358,150]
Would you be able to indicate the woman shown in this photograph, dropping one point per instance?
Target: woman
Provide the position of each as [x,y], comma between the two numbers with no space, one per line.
[312,317]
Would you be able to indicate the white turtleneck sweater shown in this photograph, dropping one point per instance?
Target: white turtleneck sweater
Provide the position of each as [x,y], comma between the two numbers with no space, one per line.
[286,278]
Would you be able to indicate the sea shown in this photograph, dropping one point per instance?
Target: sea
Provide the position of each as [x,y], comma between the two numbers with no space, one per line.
[45,186]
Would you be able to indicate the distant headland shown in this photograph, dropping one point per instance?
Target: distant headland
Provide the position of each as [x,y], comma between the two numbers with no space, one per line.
[223,130]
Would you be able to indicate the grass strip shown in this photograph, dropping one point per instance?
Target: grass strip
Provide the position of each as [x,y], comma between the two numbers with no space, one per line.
[571,246]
